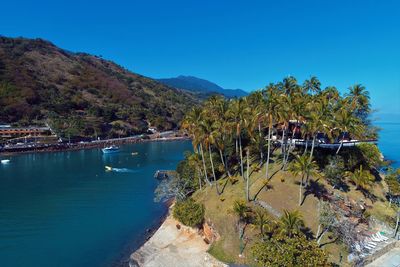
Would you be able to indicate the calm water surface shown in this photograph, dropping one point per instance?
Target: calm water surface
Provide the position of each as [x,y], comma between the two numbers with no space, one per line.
[389,137]
[63,209]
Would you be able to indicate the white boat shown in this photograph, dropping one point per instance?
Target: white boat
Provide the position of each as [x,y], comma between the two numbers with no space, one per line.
[108,168]
[5,161]
[110,149]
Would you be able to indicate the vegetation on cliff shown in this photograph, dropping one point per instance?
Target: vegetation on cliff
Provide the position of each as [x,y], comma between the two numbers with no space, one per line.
[322,198]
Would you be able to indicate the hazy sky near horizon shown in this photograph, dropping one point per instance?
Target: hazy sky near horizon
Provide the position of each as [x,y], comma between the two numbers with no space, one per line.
[236,44]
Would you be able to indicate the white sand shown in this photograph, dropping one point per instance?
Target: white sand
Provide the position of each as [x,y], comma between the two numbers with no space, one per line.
[172,247]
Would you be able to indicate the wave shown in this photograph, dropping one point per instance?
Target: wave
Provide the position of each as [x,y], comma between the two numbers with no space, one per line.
[126,170]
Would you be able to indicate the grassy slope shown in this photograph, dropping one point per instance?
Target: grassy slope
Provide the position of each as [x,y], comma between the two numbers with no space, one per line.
[280,195]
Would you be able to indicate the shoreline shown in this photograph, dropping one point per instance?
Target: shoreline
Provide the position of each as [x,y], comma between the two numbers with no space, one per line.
[132,245]
[173,246]
[95,144]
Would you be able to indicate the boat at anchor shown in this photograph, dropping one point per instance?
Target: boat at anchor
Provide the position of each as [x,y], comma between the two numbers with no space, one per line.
[110,149]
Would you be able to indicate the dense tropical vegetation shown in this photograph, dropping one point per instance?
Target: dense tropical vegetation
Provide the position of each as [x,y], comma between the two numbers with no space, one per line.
[81,95]
[279,130]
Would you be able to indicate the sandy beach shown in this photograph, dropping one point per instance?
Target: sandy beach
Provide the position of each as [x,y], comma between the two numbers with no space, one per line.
[170,246]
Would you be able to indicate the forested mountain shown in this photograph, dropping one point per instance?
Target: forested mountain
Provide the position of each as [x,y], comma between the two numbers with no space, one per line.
[81,94]
[201,86]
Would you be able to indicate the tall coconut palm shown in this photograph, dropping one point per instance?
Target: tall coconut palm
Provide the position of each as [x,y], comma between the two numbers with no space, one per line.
[219,109]
[195,162]
[257,103]
[191,124]
[313,85]
[250,122]
[303,167]
[360,102]
[346,122]
[297,113]
[318,119]
[237,112]
[291,223]
[209,140]
[270,94]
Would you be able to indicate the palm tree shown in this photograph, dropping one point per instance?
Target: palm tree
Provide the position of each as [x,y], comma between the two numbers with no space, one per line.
[346,122]
[359,96]
[318,119]
[270,111]
[191,123]
[313,86]
[241,210]
[219,112]
[291,223]
[261,220]
[257,103]
[209,139]
[237,112]
[303,167]
[195,162]
[363,179]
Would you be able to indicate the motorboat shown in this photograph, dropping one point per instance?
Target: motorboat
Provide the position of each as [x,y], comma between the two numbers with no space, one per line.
[110,149]
[108,168]
[5,161]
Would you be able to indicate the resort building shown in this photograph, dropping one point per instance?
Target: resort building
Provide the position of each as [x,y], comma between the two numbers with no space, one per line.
[6,131]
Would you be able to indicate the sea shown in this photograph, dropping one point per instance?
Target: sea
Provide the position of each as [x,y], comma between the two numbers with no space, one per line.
[389,137]
[64,209]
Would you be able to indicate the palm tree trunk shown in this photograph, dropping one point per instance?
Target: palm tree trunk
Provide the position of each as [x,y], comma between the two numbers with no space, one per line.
[222,155]
[318,230]
[397,224]
[260,135]
[204,164]
[306,148]
[322,235]
[268,153]
[236,146]
[241,157]
[300,189]
[312,147]
[288,152]
[340,146]
[212,168]
[248,177]
[283,141]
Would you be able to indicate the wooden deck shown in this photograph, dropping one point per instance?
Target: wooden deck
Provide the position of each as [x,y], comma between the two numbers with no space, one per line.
[336,145]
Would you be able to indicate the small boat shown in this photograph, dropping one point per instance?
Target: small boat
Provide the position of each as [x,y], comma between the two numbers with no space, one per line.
[110,149]
[5,161]
[108,168]
[135,153]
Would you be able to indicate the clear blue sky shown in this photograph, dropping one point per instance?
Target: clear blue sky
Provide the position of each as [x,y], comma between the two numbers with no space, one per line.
[237,44]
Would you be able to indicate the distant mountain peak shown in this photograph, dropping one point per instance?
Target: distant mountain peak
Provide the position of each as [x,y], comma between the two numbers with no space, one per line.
[201,86]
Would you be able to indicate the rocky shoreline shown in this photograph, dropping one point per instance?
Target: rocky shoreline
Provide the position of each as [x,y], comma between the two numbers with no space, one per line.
[174,245]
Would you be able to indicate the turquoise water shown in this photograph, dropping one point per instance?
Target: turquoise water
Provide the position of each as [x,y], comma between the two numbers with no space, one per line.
[389,137]
[64,209]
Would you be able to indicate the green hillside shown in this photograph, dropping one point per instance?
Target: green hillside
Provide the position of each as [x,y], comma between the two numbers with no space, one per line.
[80,94]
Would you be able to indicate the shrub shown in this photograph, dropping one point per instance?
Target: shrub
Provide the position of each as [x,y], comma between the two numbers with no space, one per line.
[296,251]
[189,212]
